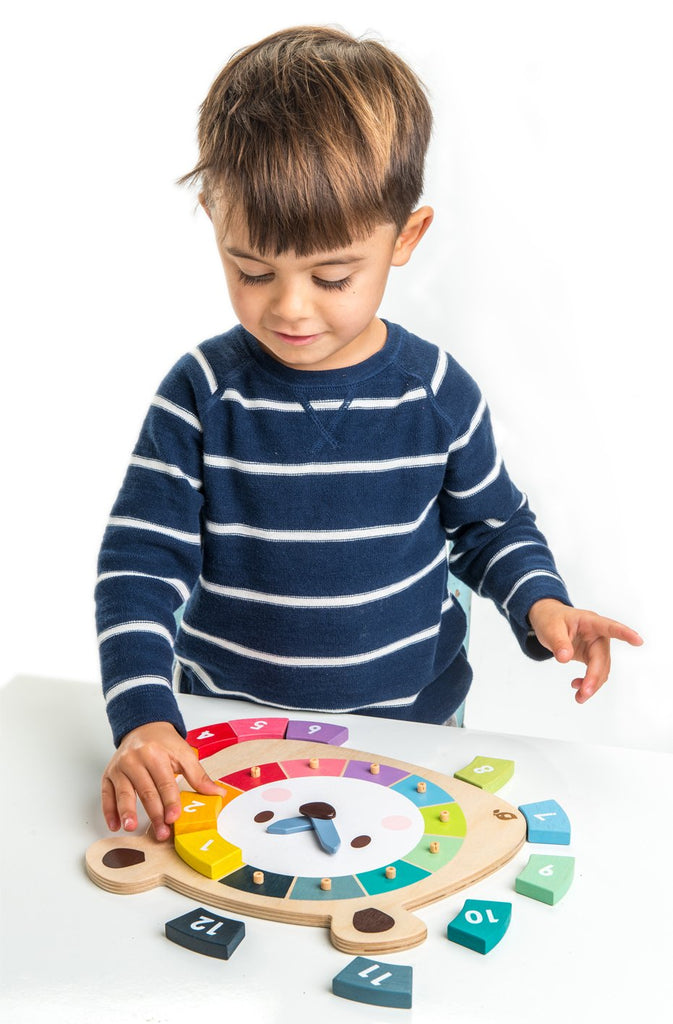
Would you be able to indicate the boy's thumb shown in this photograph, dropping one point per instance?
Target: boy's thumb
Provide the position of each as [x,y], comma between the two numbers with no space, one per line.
[557,640]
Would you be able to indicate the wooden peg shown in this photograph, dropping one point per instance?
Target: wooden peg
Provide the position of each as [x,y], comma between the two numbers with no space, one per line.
[375,769]
[258,877]
[255,771]
[391,872]
[326,884]
[444,815]
[434,847]
[314,763]
[422,787]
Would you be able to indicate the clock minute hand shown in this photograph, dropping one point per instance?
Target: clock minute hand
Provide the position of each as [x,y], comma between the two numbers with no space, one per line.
[289,826]
[320,815]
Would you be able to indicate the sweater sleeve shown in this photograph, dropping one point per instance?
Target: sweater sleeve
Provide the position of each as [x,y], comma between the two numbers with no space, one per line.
[150,556]
[497,549]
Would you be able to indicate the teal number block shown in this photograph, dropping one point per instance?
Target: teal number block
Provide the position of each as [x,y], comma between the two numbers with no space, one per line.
[547,823]
[480,925]
[371,981]
[546,878]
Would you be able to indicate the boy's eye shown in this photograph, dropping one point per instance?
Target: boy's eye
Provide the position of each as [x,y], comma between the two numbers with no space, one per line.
[330,286]
[252,278]
[336,286]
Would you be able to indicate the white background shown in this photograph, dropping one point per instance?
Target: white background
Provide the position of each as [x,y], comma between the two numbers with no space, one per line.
[547,273]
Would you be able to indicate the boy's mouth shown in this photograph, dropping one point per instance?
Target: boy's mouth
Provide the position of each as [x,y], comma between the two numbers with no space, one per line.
[296,339]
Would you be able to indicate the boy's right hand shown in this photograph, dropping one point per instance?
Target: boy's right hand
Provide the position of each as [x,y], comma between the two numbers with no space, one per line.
[146,763]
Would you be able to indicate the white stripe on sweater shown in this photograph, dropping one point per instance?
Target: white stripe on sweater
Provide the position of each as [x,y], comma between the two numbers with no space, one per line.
[211,380]
[465,438]
[220,691]
[144,524]
[342,661]
[482,485]
[525,579]
[343,601]
[135,627]
[318,536]
[182,588]
[176,410]
[133,684]
[324,468]
[440,371]
[503,554]
[165,467]
[322,405]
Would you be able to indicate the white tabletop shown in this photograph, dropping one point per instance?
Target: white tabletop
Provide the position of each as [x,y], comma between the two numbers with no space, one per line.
[75,953]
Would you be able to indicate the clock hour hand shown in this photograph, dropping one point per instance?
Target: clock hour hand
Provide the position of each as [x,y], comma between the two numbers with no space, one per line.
[320,815]
[288,826]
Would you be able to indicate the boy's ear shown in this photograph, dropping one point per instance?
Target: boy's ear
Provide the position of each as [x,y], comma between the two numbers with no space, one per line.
[204,205]
[411,234]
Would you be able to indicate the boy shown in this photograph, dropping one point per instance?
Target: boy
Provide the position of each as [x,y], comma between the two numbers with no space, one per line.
[297,478]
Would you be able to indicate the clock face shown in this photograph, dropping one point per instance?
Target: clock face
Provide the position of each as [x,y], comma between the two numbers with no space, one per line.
[377,821]
[371,826]
[311,833]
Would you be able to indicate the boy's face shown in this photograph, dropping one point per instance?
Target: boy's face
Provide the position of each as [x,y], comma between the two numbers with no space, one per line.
[313,312]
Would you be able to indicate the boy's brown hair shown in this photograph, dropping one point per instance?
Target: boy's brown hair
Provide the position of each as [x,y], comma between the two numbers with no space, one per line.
[316,137]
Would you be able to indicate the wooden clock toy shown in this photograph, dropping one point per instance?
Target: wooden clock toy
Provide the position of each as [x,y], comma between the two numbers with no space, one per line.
[309,832]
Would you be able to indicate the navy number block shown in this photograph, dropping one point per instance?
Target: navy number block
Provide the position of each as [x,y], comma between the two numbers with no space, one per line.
[205,932]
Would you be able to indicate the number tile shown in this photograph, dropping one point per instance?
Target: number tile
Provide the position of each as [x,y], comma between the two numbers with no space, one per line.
[480,925]
[259,728]
[547,822]
[489,773]
[374,982]
[546,878]
[205,932]
[208,853]
[317,732]
[210,738]
[199,812]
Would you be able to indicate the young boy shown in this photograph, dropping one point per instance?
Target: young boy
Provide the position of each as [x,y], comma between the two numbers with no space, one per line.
[297,478]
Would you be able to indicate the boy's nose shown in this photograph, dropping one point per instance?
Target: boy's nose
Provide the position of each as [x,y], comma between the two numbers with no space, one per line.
[291,303]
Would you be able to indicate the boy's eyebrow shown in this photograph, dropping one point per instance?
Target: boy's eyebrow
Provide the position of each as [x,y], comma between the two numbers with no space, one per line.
[330,262]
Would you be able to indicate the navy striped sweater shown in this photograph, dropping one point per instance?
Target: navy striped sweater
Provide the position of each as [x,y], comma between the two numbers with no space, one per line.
[304,517]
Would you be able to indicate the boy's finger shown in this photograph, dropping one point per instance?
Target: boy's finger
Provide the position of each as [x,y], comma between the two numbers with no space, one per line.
[199,780]
[618,631]
[598,670]
[169,793]
[151,800]
[125,800]
[109,804]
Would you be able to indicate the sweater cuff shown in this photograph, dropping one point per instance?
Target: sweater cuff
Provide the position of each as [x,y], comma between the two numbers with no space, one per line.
[154,702]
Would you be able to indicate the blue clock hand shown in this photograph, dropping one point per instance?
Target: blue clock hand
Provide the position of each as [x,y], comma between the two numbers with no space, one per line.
[321,815]
[289,826]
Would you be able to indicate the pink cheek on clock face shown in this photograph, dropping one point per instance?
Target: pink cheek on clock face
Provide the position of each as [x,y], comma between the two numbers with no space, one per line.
[396,822]
[277,795]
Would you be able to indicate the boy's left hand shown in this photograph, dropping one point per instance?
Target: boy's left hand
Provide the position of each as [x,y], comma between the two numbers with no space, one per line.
[575,635]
